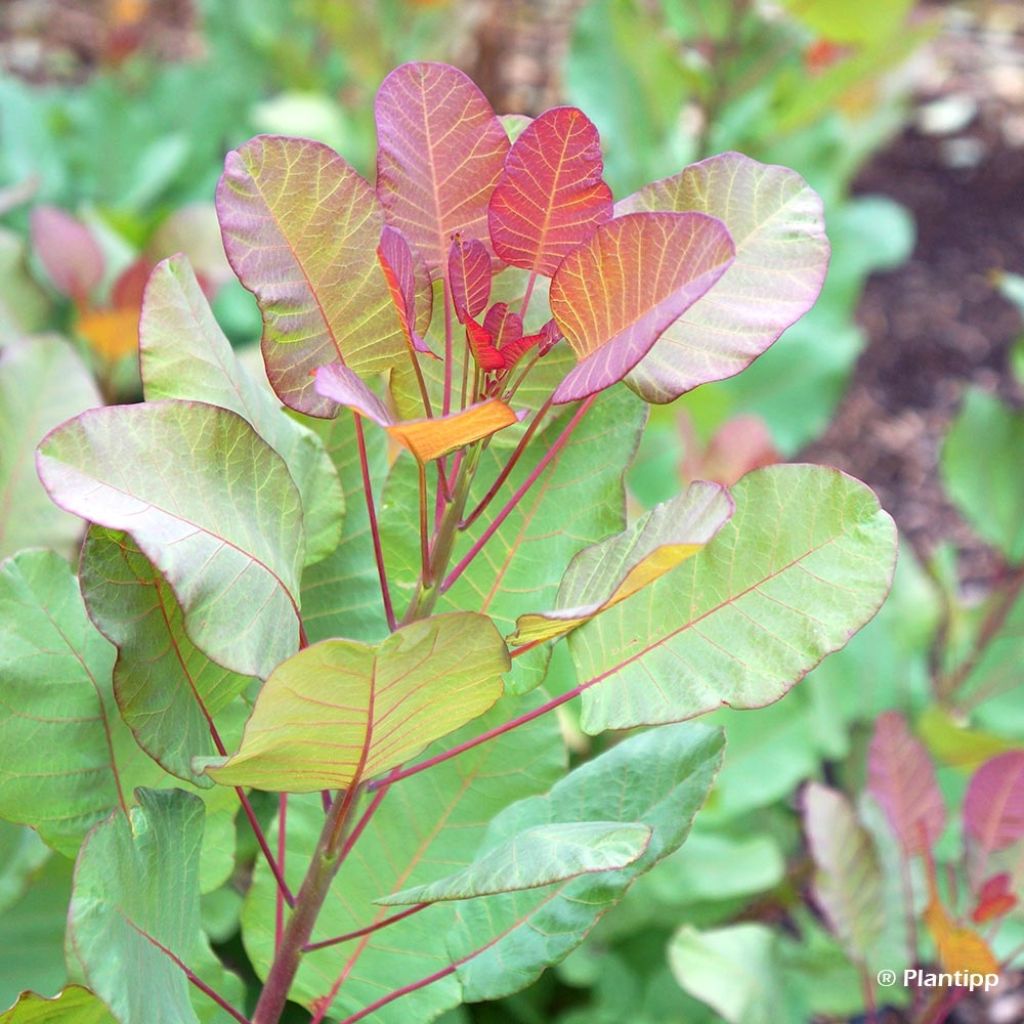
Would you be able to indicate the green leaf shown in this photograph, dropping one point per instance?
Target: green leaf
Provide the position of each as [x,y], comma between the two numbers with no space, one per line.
[42,383]
[848,879]
[183,354]
[341,711]
[66,752]
[534,858]
[301,230]
[22,853]
[733,970]
[606,573]
[208,502]
[74,1005]
[341,594]
[167,690]
[837,21]
[426,827]
[658,779]
[32,934]
[805,561]
[137,890]
[988,491]
[521,566]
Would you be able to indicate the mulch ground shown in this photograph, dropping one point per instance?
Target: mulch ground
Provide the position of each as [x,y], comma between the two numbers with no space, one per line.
[938,325]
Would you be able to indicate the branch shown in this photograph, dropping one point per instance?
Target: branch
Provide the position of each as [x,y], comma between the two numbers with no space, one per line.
[359,932]
[378,550]
[498,730]
[535,474]
[508,467]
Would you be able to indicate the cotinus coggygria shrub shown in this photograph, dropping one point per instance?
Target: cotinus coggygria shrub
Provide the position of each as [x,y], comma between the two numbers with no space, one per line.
[337,616]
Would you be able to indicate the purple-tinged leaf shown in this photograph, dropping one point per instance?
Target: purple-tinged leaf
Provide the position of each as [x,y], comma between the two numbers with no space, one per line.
[777,223]
[901,778]
[189,483]
[469,276]
[503,324]
[994,804]
[301,231]
[551,195]
[614,295]
[410,285]
[440,152]
[848,881]
[68,251]
[339,384]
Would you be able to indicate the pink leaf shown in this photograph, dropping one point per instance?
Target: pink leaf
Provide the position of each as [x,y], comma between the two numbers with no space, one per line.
[550,196]
[994,804]
[131,284]
[901,778]
[614,295]
[68,251]
[777,222]
[440,151]
[848,880]
[469,275]
[410,286]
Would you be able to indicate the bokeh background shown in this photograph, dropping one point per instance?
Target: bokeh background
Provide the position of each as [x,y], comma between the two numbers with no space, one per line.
[907,117]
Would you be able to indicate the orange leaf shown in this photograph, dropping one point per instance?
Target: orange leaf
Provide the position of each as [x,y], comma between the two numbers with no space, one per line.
[430,439]
[111,333]
[960,948]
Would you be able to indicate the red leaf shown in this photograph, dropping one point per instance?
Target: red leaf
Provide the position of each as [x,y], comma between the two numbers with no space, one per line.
[131,285]
[469,275]
[994,804]
[994,900]
[515,350]
[409,284]
[550,196]
[481,344]
[440,152]
[902,779]
[68,251]
[504,325]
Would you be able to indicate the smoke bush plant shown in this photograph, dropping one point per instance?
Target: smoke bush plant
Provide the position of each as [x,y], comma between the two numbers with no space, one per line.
[352,603]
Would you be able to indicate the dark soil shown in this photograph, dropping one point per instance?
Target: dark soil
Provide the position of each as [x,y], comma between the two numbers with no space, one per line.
[936,326]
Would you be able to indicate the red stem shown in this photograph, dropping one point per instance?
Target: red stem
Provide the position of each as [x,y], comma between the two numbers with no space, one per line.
[192,977]
[528,294]
[398,993]
[535,474]
[264,846]
[383,923]
[509,466]
[447,405]
[424,538]
[491,734]
[378,550]
[282,840]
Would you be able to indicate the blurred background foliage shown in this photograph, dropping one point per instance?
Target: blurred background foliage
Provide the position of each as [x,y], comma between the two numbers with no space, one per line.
[119,113]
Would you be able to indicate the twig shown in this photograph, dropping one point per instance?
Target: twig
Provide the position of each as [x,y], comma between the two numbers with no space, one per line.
[378,550]
[359,932]
[535,474]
